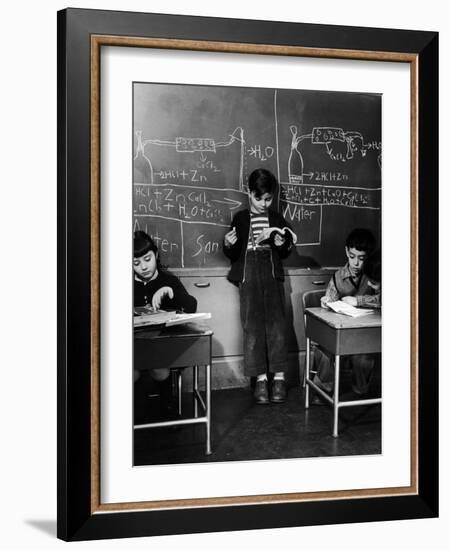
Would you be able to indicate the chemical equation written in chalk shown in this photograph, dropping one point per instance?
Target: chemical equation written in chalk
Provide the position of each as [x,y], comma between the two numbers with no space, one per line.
[175,202]
[349,197]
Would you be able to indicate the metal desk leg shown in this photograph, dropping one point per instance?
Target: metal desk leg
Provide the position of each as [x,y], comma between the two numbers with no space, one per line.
[307,367]
[208,408]
[179,389]
[336,396]
[195,390]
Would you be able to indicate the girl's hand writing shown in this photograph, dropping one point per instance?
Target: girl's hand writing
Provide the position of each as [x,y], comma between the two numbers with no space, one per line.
[160,294]
[350,300]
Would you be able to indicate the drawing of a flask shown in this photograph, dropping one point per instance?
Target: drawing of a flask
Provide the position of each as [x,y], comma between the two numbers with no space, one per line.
[142,167]
[295,162]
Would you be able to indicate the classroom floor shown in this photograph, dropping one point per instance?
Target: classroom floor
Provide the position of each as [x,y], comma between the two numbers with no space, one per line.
[242,430]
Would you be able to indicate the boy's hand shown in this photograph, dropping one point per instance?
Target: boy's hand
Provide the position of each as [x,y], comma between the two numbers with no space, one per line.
[263,236]
[375,285]
[160,294]
[350,300]
[278,240]
[230,238]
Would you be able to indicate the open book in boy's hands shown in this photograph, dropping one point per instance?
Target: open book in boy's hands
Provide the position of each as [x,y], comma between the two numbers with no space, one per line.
[347,309]
[270,232]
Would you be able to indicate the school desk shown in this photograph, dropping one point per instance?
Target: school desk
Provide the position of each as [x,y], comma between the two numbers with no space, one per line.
[340,335]
[176,347]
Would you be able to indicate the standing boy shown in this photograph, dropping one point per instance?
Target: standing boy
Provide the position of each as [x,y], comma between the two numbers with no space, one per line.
[256,250]
[351,285]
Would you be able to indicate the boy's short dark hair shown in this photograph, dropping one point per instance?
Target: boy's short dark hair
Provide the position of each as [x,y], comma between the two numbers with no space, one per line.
[143,243]
[361,239]
[262,181]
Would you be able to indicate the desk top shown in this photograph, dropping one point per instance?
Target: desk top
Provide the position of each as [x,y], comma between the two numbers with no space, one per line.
[341,321]
[186,330]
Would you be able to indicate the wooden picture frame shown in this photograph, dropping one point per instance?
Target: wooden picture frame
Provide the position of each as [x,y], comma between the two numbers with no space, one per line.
[81,35]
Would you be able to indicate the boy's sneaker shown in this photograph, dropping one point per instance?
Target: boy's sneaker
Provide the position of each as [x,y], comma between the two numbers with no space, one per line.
[279,391]
[261,394]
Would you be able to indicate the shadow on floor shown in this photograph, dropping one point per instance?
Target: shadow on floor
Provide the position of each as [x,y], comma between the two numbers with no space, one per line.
[47,526]
[242,430]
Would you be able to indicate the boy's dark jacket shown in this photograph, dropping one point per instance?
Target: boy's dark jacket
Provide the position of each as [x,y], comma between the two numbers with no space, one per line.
[238,252]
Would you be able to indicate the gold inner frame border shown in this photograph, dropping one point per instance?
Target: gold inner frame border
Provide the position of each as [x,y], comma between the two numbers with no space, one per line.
[97,42]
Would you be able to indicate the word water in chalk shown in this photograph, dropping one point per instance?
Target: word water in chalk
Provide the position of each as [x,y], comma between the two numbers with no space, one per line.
[309,218]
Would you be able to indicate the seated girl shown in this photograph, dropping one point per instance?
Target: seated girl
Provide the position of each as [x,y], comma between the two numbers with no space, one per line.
[155,286]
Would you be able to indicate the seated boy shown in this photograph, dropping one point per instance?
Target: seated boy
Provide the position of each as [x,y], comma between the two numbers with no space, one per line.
[353,286]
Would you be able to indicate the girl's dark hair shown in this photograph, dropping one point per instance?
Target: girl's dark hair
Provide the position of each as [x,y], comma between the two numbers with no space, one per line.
[262,181]
[143,243]
[361,239]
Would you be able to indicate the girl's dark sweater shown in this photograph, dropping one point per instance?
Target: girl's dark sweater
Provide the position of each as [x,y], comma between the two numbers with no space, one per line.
[181,301]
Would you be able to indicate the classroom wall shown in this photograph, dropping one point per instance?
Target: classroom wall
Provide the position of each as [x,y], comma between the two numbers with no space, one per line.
[28,274]
[219,297]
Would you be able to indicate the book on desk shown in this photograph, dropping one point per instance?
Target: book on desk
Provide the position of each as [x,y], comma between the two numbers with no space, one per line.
[347,309]
[146,316]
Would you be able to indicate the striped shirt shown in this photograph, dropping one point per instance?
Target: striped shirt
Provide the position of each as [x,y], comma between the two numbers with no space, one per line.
[257,224]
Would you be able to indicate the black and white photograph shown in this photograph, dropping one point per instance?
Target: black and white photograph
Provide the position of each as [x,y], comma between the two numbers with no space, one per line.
[247,274]
[256,273]
[224,242]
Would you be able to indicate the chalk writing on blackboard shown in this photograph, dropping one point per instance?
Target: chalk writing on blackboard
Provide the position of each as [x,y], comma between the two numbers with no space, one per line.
[199,168]
[339,145]
[300,202]
[189,183]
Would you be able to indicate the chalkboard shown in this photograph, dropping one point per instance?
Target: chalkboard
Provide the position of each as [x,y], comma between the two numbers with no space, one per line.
[195,146]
